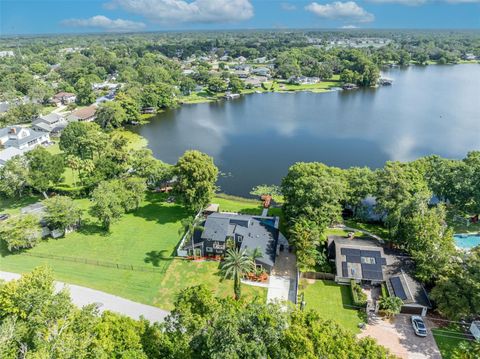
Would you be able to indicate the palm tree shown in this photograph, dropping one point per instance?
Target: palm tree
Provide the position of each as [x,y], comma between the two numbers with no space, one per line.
[391,306]
[237,263]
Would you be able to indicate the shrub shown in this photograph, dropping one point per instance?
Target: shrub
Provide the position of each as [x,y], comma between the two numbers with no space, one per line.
[358,296]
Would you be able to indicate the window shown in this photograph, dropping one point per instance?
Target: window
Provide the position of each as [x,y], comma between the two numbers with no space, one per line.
[239,239]
[209,249]
[368,260]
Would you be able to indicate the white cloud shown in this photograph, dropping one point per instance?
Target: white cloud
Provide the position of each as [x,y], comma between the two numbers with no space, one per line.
[349,27]
[287,6]
[421,2]
[401,2]
[197,11]
[348,11]
[105,23]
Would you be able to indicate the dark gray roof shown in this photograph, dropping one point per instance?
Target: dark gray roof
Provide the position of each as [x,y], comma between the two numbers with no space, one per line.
[257,232]
[51,118]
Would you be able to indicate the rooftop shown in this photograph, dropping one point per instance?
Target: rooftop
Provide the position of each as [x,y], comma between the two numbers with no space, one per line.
[257,232]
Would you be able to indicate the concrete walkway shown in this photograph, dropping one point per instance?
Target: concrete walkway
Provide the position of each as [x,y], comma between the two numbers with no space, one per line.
[82,296]
[283,279]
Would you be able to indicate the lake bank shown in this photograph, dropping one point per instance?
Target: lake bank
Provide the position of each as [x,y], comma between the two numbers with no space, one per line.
[254,139]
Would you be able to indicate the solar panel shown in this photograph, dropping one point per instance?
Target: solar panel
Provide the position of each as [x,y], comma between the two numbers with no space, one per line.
[398,288]
[344,270]
[372,267]
[383,261]
[353,259]
[376,254]
[372,275]
[350,252]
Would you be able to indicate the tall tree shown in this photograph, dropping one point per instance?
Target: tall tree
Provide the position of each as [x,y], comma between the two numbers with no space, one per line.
[196,177]
[237,263]
[85,95]
[110,115]
[313,191]
[107,201]
[61,212]
[14,177]
[20,232]
[83,139]
[44,169]
[305,235]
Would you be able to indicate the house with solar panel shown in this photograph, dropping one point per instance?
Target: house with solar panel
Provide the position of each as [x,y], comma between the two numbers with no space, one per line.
[368,262]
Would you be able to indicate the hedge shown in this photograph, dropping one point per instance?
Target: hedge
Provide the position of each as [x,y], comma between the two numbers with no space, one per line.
[358,296]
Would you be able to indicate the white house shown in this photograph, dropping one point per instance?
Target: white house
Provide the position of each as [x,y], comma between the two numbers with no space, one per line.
[64,98]
[8,153]
[22,138]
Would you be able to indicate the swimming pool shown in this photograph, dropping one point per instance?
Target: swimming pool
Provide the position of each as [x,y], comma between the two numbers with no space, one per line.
[467,241]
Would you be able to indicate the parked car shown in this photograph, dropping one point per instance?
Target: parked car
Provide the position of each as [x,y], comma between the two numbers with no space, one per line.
[4,216]
[419,326]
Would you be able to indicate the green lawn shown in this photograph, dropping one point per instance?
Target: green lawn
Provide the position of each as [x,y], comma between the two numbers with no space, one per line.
[448,339]
[377,229]
[145,238]
[331,301]
[236,204]
[184,273]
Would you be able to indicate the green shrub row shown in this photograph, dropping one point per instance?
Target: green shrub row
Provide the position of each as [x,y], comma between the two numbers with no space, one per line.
[358,296]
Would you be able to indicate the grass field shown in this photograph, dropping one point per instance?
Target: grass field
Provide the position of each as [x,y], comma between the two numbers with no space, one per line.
[331,301]
[448,339]
[182,274]
[145,238]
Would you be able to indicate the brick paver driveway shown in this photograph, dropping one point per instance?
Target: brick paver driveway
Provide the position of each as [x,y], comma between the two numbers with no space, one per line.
[399,337]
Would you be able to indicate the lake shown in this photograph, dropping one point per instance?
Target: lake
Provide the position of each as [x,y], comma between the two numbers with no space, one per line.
[254,139]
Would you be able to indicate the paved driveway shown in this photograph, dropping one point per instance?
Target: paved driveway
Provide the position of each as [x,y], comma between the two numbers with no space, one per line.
[283,279]
[400,338]
[82,296]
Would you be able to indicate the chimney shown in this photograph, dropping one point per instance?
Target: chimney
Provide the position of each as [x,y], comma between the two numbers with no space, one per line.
[13,131]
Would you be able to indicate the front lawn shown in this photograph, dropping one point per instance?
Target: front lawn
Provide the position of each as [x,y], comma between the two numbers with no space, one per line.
[331,301]
[448,339]
[145,238]
[185,273]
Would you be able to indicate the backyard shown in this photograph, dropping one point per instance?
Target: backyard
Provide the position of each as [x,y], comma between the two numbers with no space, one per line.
[331,301]
[145,239]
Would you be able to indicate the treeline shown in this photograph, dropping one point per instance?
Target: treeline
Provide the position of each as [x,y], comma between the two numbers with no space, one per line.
[416,201]
[150,64]
[37,322]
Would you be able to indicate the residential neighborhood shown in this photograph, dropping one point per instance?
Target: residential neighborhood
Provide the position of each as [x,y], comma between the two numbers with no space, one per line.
[239,179]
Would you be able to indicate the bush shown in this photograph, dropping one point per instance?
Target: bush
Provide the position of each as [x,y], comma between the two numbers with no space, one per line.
[358,296]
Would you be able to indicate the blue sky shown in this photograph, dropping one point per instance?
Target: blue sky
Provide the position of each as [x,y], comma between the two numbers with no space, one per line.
[69,16]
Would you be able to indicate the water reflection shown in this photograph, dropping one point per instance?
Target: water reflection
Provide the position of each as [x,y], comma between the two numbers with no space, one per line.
[256,138]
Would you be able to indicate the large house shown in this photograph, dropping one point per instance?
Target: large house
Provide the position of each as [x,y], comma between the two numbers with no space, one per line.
[86,114]
[52,123]
[8,153]
[224,230]
[22,138]
[367,261]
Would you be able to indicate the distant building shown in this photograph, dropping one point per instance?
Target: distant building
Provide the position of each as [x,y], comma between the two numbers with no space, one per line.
[8,153]
[64,98]
[303,80]
[52,123]
[86,114]
[22,138]
[261,71]
[6,53]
